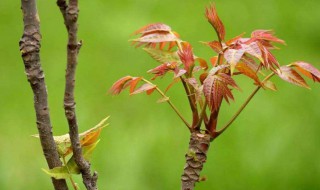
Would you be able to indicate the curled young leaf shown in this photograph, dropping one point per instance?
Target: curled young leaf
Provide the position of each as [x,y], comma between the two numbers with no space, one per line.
[215,45]
[152,28]
[119,85]
[266,35]
[144,88]
[214,20]
[269,61]
[186,56]
[288,74]
[154,34]
[308,70]
[162,69]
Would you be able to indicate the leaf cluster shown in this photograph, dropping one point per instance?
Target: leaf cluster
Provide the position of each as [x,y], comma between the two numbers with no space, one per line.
[88,141]
[208,83]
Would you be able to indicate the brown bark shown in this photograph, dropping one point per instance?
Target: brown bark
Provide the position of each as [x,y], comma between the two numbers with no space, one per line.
[30,50]
[195,158]
[70,15]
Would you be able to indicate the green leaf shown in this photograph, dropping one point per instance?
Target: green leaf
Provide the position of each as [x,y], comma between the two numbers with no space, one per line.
[88,137]
[162,56]
[65,172]
[58,172]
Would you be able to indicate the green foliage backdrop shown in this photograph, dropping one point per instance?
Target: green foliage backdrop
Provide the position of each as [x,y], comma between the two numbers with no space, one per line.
[274,143]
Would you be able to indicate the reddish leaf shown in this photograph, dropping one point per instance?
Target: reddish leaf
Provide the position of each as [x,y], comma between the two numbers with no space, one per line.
[288,74]
[214,60]
[215,88]
[253,49]
[162,69]
[119,85]
[269,61]
[203,77]
[144,88]
[215,45]
[308,70]
[203,63]
[247,70]
[233,56]
[186,56]
[134,83]
[267,35]
[156,38]
[214,20]
[155,27]
[151,90]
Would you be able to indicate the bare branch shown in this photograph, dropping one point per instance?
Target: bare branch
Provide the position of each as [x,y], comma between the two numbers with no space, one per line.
[30,50]
[70,15]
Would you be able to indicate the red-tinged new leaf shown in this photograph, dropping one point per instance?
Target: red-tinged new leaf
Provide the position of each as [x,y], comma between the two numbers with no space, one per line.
[157,38]
[308,70]
[215,88]
[233,56]
[186,56]
[267,35]
[247,70]
[119,85]
[162,56]
[214,61]
[203,77]
[215,45]
[288,74]
[269,85]
[151,28]
[151,90]
[203,63]
[253,49]
[162,69]
[133,83]
[145,88]
[269,61]
[214,20]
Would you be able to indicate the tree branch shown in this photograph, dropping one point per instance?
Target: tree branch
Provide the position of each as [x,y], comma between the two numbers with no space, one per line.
[30,50]
[70,15]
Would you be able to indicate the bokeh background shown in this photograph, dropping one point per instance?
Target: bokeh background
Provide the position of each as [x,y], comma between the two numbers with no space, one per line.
[273,144]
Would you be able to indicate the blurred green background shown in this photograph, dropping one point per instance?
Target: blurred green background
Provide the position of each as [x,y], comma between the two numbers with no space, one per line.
[273,144]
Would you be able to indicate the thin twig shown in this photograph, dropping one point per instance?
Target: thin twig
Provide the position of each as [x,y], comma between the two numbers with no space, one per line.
[234,117]
[170,103]
[70,15]
[191,98]
[30,50]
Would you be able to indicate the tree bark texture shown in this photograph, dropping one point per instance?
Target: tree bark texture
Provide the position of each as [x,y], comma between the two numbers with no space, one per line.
[30,51]
[195,158]
[70,14]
